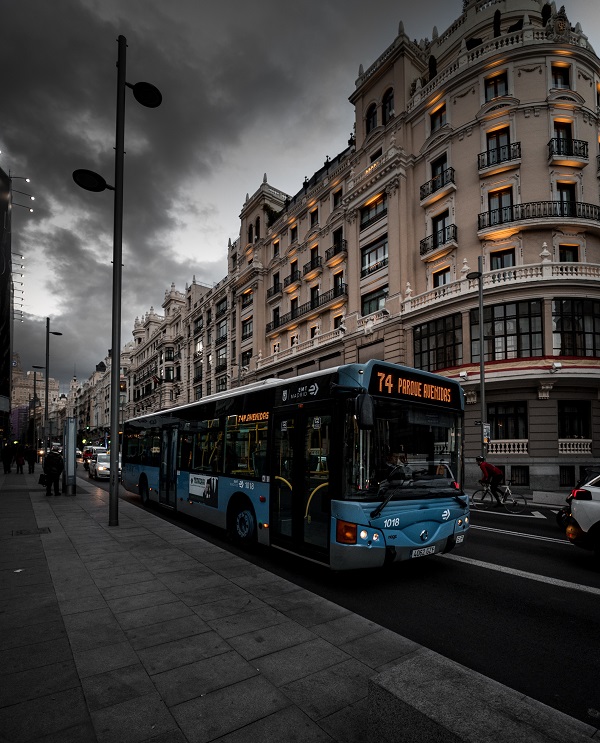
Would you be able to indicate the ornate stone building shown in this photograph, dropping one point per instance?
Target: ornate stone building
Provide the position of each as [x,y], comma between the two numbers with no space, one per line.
[474,159]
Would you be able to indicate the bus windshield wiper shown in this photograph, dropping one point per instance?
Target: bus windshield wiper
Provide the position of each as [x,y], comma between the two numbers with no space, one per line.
[376,512]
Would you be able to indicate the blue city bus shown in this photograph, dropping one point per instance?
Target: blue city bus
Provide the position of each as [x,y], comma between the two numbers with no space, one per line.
[352,467]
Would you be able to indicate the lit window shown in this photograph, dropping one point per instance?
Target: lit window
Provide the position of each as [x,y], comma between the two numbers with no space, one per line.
[496,86]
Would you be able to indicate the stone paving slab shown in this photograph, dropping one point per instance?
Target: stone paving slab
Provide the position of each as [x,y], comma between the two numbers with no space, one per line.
[145,632]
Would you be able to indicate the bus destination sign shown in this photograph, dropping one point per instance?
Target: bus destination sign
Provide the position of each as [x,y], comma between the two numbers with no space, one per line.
[403,384]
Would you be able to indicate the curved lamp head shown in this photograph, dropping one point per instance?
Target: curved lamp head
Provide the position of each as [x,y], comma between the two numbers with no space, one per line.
[146,94]
[90,181]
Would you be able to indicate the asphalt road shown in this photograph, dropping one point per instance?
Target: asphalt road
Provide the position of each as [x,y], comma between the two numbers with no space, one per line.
[516,603]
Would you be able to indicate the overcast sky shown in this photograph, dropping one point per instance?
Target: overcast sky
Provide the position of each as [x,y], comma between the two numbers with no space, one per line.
[248,88]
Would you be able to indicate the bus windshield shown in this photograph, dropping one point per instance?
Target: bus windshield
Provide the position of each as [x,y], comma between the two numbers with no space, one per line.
[412,450]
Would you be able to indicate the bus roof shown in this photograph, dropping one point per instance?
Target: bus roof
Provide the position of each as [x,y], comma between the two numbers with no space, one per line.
[359,374]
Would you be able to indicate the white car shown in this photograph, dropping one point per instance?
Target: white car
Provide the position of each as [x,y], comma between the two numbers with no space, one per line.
[99,466]
[583,528]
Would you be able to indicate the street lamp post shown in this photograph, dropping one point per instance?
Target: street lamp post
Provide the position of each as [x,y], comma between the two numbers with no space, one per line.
[35,401]
[47,431]
[479,276]
[149,96]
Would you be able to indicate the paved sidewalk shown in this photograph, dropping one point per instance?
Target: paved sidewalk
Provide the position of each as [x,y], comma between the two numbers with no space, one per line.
[144,632]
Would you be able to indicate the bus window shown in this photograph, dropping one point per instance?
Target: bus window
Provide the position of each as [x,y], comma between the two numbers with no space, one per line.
[186,444]
[207,448]
[246,447]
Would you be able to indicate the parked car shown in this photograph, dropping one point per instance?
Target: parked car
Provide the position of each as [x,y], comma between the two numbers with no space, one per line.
[99,466]
[583,527]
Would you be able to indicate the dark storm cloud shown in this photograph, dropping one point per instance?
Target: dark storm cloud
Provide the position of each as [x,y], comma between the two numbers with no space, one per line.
[255,87]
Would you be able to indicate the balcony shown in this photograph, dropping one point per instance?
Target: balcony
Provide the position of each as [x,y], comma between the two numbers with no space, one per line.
[220,368]
[508,447]
[573,152]
[292,281]
[308,307]
[499,159]
[373,267]
[437,187]
[247,300]
[440,243]
[336,253]
[274,291]
[221,311]
[534,211]
[575,446]
[197,378]
[220,340]
[313,268]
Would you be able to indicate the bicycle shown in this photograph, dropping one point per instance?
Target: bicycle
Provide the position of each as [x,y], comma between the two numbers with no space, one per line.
[483,499]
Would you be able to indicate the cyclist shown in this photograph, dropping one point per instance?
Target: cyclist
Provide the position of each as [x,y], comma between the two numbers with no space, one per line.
[492,476]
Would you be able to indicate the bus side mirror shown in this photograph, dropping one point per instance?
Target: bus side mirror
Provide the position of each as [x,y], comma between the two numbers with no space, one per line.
[365,412]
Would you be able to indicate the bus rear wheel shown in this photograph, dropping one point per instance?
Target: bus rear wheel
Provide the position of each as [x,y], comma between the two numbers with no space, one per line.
[242,524]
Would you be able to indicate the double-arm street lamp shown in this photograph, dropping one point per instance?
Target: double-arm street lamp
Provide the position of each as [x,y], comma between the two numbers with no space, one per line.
[150,97]
[483,422]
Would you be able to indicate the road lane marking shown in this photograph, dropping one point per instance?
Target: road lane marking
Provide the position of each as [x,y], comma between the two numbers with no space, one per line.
[523,574]
[521,534]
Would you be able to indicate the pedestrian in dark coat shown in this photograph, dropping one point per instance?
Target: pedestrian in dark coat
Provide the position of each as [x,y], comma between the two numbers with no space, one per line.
[30,458]
[53,467]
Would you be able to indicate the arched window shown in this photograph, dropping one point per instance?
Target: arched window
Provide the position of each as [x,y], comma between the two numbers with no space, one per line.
[387,105]
[371,120]
[251,234]
[257,228]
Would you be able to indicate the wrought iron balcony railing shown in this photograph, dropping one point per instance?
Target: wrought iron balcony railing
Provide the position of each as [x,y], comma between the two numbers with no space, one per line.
[304,309]
[438,239]
[568,147]
[336,249]
[292,278]
[498,155]
[539,210]
[439,181]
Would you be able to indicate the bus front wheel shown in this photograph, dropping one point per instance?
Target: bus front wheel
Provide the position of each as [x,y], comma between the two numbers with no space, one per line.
[242,524]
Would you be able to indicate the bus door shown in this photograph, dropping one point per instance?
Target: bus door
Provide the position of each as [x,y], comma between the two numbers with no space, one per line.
[300,494]
[167,492]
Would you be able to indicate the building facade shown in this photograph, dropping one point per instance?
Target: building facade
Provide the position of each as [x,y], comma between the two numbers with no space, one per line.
[473,167]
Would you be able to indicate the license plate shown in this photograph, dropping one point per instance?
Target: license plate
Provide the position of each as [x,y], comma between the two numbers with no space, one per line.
[423,551]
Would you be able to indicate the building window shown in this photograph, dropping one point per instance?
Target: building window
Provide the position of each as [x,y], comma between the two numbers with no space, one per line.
[496,86]
[438,343]
[209,387]
[439,227]
[561,76]
[510,331]
[314,217]
[314,331]
[294,339]
[502,259]
[574,419]
[338,321]
[221,307]
[568,253]
[500,206]
[247,328]
[276,347]
[567,198]
[519,475]
[373,211]
[498,146]
[338,283]
[293,233]
[441,278]
[314,297]
[221,358]
[387,106]
[374,256]
[576,327]
[438,118]
[508,421]
[221,384]
[337,198]
[246,357]
[371,118]
[374,301]
[438,168]
[169,374]
[294,307]
[275,248]
[169,354]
